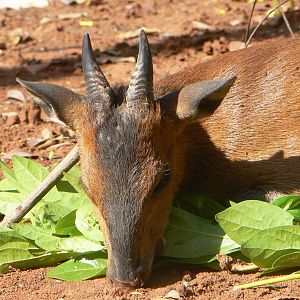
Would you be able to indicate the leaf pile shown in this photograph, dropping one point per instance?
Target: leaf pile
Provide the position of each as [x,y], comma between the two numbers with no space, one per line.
[63,227]
[268,234]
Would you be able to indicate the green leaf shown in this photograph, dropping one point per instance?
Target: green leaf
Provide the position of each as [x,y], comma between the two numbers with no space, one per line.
[44,260]
[200,206]
[72,244]
[10,255]
[29,175]
[295,213]
[73,270]
[288,202]
[287,261]
[49,243]
[31,232]
[87,223]
[188,236]
[79,244]
[7,186]
[9,174]
[66,225]
[244,220]
[266,246]
[9,201]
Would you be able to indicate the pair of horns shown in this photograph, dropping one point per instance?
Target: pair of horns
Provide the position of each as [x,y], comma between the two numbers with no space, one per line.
[99,92]
[140,90]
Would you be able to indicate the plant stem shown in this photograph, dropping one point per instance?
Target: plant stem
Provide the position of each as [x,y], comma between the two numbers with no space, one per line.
[292,276]
[44,187]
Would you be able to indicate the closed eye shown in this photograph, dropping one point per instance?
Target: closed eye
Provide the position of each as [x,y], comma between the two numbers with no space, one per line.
[163,181]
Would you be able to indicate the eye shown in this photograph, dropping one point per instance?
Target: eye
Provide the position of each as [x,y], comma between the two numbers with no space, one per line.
[163,181]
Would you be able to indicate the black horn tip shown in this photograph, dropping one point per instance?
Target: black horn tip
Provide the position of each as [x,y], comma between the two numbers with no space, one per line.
[28,85]
[86,44]
[143,38]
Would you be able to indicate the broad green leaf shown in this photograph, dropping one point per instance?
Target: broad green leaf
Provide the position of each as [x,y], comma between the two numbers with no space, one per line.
[79,244]
[64,186]
[87,223]
[9,175]
[200,206]
[7,186]
[31,232]
[288,202]
[18,245]
[75,182]
[74,244]
[44,260]
[188,236]
[287,261]
[72,200]
[10,236]
[243,220]
[73,270]
[49,243]
[266,246]
[66,225]
[10,255]
[295,213]
[29,174]
[9,201]
[5,229]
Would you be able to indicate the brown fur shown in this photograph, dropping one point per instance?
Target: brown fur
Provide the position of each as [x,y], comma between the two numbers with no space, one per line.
[253,138]
[133,164]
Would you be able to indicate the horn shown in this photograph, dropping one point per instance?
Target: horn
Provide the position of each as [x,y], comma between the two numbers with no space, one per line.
[140,88]
[97,85]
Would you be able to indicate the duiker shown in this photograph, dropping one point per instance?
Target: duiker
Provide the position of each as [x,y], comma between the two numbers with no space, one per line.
[143,143]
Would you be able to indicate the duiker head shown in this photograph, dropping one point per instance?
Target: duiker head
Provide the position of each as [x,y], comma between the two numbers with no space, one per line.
[131,156]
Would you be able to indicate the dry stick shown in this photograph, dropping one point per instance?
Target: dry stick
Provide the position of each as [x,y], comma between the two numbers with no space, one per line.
[265,17]
[249,22]
[45,186]
[286,20]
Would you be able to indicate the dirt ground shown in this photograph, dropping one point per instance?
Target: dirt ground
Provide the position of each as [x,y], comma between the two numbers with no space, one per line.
[45,45]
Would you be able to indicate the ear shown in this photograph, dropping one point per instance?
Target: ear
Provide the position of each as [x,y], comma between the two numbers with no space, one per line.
[196,100]
[59,103]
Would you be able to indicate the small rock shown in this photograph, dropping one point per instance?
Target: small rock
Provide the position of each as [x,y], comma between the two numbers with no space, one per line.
[202,26]
[16,95]
[47,133]
[34,142]
[236,45]
[172,295]
[12,120]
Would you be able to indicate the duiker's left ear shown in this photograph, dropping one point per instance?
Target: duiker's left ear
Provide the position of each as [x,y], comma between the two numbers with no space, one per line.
[59,103]
[198,99]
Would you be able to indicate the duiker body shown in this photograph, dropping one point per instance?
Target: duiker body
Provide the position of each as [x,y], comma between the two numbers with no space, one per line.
[144,143]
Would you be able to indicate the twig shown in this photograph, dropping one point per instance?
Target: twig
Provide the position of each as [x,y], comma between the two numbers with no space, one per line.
[286,20]
[249,22]
[265,17]
[269,281]
[45,186]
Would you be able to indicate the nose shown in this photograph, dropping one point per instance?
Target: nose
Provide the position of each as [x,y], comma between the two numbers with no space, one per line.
[127,274]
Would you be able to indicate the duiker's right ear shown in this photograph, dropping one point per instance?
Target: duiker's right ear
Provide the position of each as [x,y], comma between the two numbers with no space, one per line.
[58,102]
